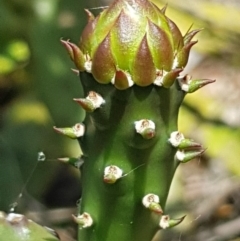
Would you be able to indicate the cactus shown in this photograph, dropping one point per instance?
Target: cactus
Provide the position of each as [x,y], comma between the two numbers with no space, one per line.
[129,61]
[16,227]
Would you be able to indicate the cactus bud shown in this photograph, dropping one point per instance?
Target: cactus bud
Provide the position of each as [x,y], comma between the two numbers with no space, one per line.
[122,80]
[112,174]
[73,132]
[146,128]
[84,220]
[151,201]
[133,54]
[183,54]
[166,222]
[68,47]
[167,78]
[189,35]
[151,44]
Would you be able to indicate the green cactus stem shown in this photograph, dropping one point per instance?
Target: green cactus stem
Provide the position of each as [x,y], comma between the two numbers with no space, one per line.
[129,61]
[16,227]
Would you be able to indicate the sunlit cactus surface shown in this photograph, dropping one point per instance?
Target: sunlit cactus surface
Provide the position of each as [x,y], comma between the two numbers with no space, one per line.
[129,60]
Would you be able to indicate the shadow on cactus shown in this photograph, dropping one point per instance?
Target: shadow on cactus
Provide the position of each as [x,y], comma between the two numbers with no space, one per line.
[129,61]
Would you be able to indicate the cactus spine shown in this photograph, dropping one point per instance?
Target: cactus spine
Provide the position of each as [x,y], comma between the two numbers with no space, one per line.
[129,60]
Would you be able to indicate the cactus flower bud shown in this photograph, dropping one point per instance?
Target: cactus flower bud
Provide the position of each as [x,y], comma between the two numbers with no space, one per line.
[131,43]
[129,60]
[91,102]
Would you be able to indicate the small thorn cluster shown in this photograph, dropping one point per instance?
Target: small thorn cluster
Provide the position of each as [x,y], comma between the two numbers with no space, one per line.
[187,148]
[73,132]
[152,202]
[92,102]
[146,128]
[129,60]
[84,220]
[112,174]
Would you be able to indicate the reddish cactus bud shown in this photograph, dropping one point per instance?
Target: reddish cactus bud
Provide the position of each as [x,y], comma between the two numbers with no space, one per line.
[130,43]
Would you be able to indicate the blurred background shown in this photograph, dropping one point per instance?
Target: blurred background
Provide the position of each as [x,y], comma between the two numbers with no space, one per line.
[36,92]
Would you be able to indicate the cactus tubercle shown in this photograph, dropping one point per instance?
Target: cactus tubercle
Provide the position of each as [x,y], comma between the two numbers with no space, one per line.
[146,128]
[166,222]
[73,132]
[112,174]
[152,202]
[84,220]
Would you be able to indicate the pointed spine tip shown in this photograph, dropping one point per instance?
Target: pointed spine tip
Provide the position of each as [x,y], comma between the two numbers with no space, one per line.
[190,34]
[166,222]
[68,47]
[178,140]
[182,56]
[90,16]
[78,57]
[189,85]
[188,155]
[87,105]
[164,9]
[75,71]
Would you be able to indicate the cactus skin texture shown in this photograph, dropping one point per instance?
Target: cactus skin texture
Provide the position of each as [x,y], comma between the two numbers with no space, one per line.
[16,227]
[129,61]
